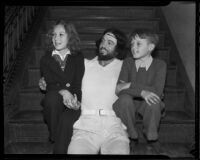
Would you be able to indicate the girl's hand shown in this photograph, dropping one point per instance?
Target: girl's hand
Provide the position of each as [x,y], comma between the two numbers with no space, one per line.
[42,84]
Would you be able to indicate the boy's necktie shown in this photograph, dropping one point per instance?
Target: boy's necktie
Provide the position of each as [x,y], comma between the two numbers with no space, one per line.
[141,75]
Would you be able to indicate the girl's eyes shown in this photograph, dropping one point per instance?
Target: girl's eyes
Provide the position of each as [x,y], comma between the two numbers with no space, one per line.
[61,35]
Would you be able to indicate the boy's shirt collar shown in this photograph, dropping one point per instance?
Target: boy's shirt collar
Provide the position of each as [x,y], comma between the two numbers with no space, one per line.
[61,56]
[144,63]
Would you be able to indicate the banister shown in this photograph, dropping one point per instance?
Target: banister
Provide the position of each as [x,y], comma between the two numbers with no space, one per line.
[17,21]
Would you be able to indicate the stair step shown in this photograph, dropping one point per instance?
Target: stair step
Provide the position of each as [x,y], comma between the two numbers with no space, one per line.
[87,24]
[90,37]
[89,50]
[172,150]
[35,116]
[89,53]
[31,99]
[28,125]
[29,148]
[34,76]
[171,76]
[122,11]
[174,98]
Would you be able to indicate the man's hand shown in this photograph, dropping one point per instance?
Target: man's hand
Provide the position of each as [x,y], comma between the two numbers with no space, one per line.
[42,84]
[150,97]
[75,103]
[69,100]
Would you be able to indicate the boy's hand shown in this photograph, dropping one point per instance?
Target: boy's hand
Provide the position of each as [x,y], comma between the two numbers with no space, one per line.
[42,84]
[150,97]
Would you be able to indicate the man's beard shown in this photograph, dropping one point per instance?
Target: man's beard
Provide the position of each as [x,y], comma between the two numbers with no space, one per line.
[106,57]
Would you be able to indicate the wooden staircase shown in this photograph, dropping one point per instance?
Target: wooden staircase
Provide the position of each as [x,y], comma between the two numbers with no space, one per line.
[28,132]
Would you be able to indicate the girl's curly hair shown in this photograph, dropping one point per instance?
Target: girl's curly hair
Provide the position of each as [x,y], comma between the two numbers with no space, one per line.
[74,40]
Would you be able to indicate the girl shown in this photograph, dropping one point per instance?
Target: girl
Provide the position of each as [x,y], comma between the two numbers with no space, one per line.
[62,68]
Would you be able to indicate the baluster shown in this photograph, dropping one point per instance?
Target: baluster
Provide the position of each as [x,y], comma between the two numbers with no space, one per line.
[25,19]
[17,20]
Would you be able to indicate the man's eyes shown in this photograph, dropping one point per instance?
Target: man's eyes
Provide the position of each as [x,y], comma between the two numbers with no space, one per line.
[110,43]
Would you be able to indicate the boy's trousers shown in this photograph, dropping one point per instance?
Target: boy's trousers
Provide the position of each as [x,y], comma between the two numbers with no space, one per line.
[126,108]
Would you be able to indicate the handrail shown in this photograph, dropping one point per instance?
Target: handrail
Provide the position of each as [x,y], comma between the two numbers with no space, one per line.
[17,21]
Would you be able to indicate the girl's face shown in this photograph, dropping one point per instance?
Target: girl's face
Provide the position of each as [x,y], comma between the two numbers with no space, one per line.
[60,38]
[140,48]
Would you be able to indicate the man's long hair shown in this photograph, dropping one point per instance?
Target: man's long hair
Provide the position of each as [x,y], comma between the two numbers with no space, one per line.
[122,40]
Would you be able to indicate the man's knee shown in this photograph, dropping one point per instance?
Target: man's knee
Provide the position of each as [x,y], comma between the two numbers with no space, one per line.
[81,146]
[119,147]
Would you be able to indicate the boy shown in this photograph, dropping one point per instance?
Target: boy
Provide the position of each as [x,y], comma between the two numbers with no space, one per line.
[140,87]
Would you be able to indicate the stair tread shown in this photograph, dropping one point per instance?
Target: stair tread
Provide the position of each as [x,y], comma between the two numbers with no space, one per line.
[124,23]
[172,150]
[29,148]
[103,18]
[100,7]
[35,89]
[36,68]
[35,116]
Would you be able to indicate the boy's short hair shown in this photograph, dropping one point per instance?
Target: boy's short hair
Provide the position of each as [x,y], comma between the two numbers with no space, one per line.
[145,33]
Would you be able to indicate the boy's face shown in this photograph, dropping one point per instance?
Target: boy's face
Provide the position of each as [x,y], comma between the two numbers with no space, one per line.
[60,38]
[107,47]
[141,48]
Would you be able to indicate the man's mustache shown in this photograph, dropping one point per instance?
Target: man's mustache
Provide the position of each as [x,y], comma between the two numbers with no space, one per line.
[102,48]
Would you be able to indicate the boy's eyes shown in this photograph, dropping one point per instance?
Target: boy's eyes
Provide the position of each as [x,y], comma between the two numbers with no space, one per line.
[110,43]
[137,44]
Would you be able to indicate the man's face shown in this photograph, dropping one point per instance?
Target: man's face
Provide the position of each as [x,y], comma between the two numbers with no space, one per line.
[107,47]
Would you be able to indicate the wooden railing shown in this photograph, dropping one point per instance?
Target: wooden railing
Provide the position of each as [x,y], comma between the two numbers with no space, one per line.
[17,22]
